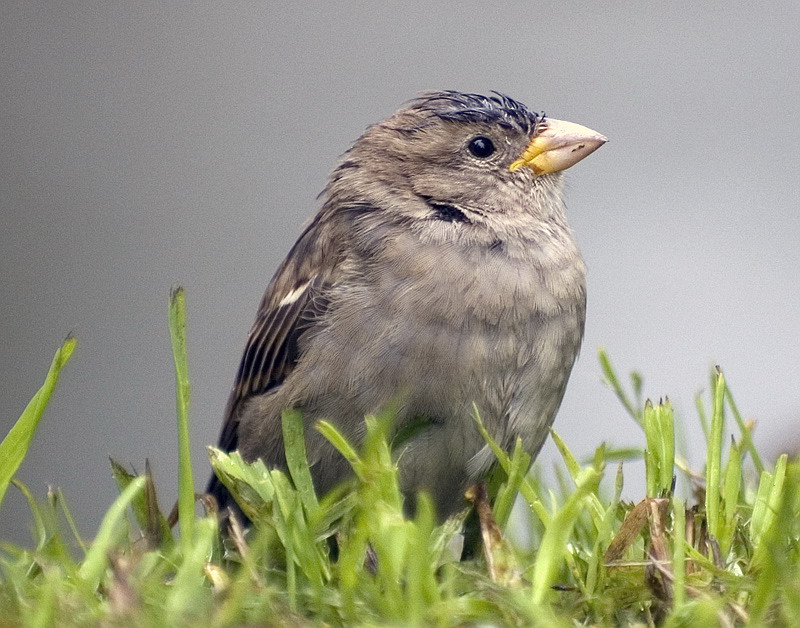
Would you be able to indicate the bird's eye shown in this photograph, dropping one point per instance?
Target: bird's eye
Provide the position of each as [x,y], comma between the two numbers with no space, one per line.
[481,147]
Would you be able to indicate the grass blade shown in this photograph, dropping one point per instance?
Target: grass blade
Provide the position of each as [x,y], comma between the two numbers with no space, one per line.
[97,558]
[679,552]
[747,438]
[15,445]
[177,332]
[554,542]
[613,382]
[296,458]
[714,456]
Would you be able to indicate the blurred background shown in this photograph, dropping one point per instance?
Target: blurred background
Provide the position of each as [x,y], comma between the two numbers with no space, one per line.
[147,144]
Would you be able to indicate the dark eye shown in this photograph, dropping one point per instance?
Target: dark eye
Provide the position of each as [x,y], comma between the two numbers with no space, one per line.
[481,147]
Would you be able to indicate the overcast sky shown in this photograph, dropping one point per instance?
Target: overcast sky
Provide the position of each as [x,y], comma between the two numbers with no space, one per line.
[149,144]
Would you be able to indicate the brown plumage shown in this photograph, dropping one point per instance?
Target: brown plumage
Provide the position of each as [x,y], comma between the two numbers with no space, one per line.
[439,272]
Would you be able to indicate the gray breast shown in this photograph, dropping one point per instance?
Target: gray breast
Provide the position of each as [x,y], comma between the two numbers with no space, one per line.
[437,331]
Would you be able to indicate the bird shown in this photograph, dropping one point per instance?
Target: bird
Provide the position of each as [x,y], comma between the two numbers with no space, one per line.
[439,277]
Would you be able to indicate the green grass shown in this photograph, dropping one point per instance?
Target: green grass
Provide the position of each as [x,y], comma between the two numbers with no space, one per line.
[725,555]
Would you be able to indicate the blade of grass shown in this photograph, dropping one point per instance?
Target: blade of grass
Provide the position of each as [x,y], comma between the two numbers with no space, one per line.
[42,614]
[595,507]
[773,556]
[296,458]
[40,530]
[747,438]
[16,443]
[760,506]
[188,594]
[62,502]
[701,413]
[341,444]
[773,497]
[667,443]
[659,429]
[730,496]
[678,552]
[526,489]
[423,590]
[504,502]
[97,558]
[554,541]
[604,538]
[714,456]
[613,382]
[145,507]
[651,453]
[177,332]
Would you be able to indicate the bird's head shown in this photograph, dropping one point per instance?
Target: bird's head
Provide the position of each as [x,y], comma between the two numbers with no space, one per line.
[478,154]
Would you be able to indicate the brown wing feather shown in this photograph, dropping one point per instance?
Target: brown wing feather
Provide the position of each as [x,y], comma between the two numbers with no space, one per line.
[271,352]
[293,303]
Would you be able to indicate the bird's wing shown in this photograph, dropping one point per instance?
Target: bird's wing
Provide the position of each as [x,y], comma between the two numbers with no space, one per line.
[294,302]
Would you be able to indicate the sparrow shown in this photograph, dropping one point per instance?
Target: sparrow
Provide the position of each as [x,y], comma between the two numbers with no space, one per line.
[439,277]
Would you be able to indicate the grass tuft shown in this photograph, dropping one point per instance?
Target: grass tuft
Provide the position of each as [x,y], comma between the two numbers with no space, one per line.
[727,554]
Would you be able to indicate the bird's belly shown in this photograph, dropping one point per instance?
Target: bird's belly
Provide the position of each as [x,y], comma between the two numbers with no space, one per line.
[513,375]
[513,379]
[497,340]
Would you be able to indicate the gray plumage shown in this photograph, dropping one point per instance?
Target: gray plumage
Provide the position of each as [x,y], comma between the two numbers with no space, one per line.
[431,278]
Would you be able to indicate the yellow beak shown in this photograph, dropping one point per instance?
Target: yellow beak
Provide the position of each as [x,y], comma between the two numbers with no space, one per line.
[557,146]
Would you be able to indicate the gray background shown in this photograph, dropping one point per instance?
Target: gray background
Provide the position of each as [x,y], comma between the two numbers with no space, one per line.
[148,144]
